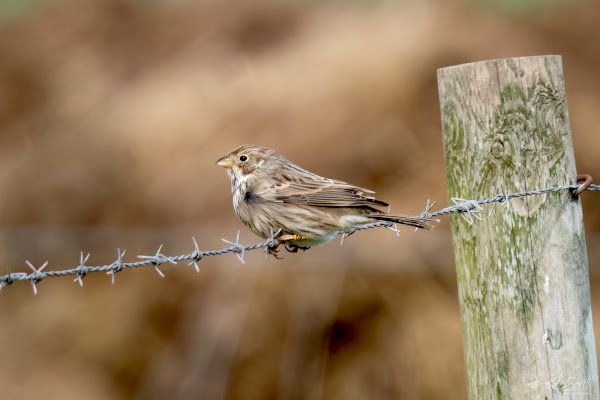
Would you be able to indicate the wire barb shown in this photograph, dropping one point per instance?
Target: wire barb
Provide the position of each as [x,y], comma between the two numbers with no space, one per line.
[37,275]
[83,270]
[117,266]
[272,242]
[393,228]
[427,213]
[346,234]
[158,259]
[237,248]
[197,255]
[467,209]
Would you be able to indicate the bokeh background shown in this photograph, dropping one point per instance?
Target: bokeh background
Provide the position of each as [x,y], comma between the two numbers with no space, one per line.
[112,113]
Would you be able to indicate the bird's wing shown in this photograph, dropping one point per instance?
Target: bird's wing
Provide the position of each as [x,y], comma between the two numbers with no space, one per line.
[324,193]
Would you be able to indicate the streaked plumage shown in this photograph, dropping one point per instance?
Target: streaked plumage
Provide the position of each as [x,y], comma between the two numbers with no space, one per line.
[272,193]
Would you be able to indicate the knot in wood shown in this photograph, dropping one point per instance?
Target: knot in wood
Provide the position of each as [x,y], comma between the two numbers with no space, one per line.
[497,149]
[562,119]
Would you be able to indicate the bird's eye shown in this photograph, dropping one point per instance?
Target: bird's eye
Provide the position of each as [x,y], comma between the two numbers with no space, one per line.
[243,158]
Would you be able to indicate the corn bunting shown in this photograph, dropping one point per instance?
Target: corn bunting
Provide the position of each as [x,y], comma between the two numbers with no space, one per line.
[272,194]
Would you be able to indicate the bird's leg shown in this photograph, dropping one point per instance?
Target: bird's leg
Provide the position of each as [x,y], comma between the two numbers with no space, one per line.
[284,238]
[293,248]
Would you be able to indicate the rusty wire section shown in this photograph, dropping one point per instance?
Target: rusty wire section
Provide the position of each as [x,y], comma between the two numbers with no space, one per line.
[467,209]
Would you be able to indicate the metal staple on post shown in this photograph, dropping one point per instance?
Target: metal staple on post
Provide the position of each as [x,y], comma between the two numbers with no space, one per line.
[466,208]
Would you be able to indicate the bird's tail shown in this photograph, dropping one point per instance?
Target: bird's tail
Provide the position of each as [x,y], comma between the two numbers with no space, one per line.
[418,222]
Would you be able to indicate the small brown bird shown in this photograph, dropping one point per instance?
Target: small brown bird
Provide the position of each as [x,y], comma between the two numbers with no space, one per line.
[272,194]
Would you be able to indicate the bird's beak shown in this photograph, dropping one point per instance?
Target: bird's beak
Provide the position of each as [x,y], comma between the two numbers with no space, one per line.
[224,162]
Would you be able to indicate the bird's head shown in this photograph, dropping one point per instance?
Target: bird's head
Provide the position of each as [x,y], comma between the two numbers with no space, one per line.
[243,162]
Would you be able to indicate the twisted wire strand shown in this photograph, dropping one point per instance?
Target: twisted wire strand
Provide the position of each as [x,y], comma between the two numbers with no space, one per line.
[465,208]
[465,205]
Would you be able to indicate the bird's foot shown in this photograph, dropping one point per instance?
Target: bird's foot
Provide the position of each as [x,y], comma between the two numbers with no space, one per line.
[294,248]
[273,251]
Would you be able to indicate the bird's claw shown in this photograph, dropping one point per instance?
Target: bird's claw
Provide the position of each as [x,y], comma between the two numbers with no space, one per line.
[294,248]
[273,251]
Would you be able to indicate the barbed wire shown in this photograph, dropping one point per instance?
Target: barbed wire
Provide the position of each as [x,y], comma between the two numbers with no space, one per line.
[465,208]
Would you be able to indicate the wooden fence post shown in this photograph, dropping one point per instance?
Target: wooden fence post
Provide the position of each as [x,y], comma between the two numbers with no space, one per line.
[522,271]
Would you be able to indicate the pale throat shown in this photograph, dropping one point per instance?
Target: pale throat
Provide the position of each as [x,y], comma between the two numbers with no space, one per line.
[239,184]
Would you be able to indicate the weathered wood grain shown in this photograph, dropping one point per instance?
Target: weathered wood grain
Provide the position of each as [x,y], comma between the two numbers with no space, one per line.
[522,271]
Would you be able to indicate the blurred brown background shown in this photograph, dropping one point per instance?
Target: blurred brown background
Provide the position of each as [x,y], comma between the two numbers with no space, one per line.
[112,114]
